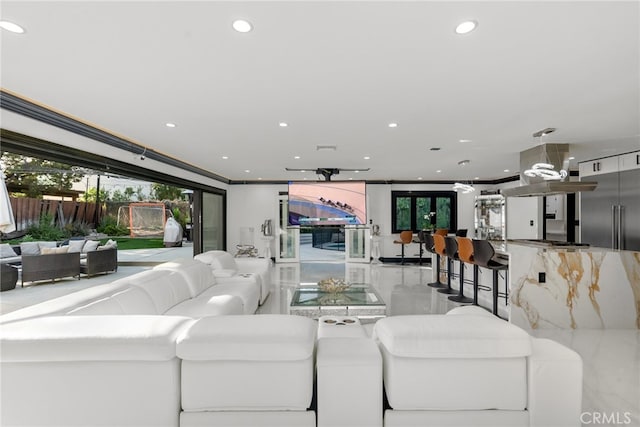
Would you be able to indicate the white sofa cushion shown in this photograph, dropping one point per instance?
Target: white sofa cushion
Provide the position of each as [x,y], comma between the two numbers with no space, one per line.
[203,306]
[447,336]
[260,337]
[65,303]
[105,306]
[166,288]
[249,293]
[218,260]
[198,275]
[248,363]
[133,300]
[86,338]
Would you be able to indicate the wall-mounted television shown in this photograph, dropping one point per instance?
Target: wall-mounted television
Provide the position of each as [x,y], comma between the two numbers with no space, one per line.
[327,203]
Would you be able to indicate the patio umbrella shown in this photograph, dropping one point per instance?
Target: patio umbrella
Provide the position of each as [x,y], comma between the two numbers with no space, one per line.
[7,221]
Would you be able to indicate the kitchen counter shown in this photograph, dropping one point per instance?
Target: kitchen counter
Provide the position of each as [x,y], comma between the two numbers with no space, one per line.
[572,287]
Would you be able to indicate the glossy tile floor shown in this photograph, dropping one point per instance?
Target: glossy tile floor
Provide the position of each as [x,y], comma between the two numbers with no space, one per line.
[611,392]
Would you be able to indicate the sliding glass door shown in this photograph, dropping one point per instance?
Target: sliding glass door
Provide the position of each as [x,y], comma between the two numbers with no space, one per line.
[213,222]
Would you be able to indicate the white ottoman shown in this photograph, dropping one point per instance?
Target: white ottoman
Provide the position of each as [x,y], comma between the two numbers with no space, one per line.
[235,367]
[349,371]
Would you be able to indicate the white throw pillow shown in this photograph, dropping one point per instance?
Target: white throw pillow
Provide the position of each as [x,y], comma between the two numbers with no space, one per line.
[7,251]
[90,246]
[75,245]
[62,249]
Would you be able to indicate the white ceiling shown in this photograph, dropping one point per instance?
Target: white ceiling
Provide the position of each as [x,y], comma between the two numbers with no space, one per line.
[337,72]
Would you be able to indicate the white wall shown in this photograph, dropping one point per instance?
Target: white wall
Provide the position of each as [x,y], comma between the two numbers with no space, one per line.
[521,212]
[248,206]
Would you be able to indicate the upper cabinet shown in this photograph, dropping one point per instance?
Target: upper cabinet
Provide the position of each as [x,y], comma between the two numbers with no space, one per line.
[630,161]
[610,164]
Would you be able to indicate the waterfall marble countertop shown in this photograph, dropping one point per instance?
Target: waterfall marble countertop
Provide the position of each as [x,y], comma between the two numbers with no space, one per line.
[572,287]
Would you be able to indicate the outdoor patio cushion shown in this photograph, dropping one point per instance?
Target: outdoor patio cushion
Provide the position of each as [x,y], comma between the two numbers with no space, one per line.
[7,251]
[75,245]
[90,245]
[33,248]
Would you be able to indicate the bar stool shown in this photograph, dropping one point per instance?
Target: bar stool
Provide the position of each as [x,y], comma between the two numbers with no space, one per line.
[484,256]
[451,250]
[438,249]
[406,237]
[465,256]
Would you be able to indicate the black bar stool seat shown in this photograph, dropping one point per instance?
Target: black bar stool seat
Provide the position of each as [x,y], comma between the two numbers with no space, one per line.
[484,256]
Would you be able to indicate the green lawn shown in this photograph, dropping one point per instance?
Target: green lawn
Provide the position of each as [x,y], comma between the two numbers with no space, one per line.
[136,243]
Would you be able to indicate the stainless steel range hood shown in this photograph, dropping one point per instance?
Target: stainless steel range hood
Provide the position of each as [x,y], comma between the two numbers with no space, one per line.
[556,155]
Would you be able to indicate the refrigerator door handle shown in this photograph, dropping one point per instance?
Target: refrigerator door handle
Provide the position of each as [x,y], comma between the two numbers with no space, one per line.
[614,239]
[620,227]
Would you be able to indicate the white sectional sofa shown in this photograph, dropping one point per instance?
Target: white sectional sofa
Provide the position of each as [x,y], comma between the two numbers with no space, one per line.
[226,267]
[169,347]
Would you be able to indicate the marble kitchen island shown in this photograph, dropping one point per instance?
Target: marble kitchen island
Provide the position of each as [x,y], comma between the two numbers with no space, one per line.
[568,287]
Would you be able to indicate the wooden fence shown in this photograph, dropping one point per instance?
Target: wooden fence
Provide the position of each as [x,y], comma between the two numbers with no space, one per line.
[28,211]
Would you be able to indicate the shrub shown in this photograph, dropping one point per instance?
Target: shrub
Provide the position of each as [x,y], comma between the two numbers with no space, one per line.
[46,230]
[77,228]
[110,227]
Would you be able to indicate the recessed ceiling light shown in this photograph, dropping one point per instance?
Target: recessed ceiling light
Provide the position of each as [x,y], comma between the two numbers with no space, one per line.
[225,157]
[259,178]
[356,171]
[302,171]
[242,26]
[283,124]
[507,170]
[465,140]
[10,26]
[247,171]
[477,177]
[351,179]
[419,178]
[296,157]
[367,158]
[572,158]
[466,27]
[393,125]
[438,171]
[170,125]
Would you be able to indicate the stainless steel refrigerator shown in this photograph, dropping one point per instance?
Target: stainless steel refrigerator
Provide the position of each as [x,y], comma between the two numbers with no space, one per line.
[610,215]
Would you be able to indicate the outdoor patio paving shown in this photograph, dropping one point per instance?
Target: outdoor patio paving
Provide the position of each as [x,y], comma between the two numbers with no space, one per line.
[129,262]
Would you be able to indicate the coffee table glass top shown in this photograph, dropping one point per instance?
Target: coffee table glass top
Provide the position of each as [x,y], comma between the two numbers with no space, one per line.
[356,294]
[358,300]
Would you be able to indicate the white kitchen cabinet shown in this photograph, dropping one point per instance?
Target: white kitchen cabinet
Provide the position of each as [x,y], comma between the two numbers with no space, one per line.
[629,161]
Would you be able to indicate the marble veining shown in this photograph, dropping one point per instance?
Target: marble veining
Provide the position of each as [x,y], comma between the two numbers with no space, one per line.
[579,288]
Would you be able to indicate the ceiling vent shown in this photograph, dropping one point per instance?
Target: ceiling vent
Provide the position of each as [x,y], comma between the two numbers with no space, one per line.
[326,148]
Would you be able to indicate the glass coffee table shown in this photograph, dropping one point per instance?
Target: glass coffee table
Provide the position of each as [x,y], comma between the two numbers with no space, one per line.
[358,300]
